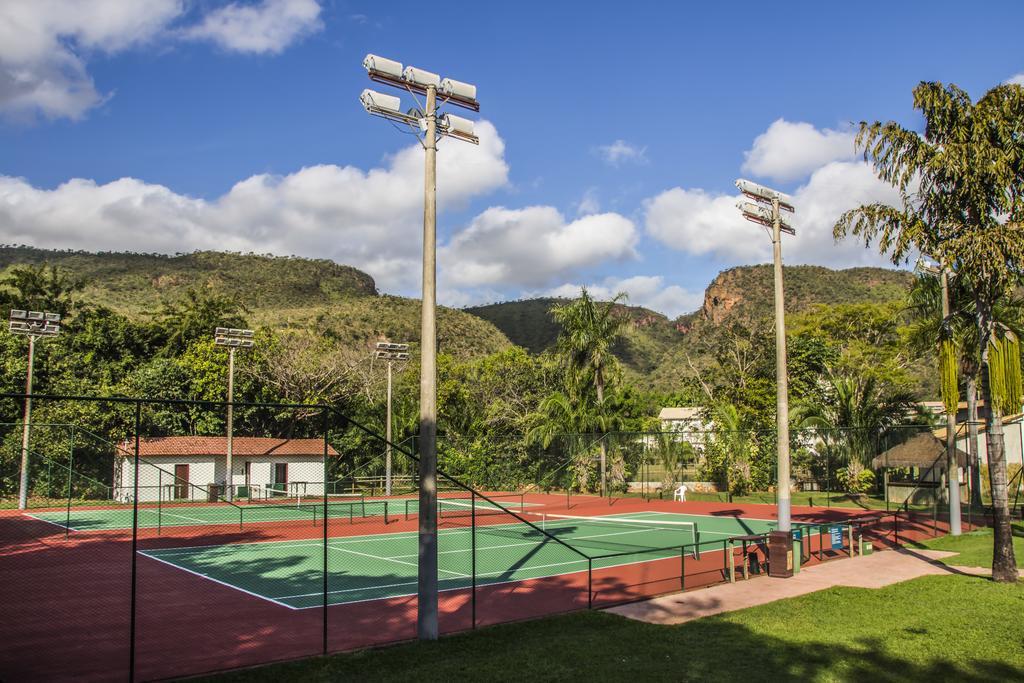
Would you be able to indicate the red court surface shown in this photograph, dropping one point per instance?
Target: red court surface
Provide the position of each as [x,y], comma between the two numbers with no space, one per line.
[67,602]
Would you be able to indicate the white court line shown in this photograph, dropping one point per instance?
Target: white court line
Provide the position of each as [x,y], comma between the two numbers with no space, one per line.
[391,559]
[58,524]
[210,578]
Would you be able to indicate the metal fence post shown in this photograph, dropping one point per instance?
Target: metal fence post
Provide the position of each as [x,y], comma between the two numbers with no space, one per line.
[135,544]
[326,518]
[590,583]
[472,536]
[71,465]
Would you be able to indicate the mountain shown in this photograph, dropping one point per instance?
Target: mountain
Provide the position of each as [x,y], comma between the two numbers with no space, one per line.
[653,347]
[276,291]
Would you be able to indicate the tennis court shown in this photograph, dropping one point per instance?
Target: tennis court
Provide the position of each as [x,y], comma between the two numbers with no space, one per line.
[372,567]
[307,509]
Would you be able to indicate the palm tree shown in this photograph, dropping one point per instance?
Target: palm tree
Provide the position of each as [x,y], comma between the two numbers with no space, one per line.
[588,332]
[961,188]
[855,413]
[560,416]
[734,439]
[925,304]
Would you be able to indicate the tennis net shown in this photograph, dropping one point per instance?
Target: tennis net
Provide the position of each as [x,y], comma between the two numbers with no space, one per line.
[618,534]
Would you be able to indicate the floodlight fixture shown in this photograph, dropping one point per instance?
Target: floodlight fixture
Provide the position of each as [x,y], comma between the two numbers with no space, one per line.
[420,77]
[416,80]
[34,323]
[758,213]
[760,193]
[926,266]
[234,337]
[386,68]
[391,352]
[458,127]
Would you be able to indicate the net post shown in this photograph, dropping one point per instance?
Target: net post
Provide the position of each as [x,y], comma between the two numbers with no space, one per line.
[385,513]
[159,500]
[472,536]
[682,568]
[351,519]
[696,543]
[590,583]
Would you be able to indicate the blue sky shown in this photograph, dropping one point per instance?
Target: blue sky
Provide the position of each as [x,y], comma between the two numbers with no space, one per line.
[611,134]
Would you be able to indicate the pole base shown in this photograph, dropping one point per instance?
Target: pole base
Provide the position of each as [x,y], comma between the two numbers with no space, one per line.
[780,554]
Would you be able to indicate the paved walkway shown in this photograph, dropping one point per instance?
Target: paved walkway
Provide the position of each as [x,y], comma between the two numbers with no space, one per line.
[872,571]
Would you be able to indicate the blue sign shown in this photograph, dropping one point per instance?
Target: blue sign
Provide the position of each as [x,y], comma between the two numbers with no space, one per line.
[797,534]
[836,532]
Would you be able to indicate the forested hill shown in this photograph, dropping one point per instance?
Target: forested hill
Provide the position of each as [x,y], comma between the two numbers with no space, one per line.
[132,283]
[340,301]
[747,293]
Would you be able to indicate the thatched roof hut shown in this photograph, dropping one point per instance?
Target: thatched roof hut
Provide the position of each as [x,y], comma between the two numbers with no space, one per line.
[922,451]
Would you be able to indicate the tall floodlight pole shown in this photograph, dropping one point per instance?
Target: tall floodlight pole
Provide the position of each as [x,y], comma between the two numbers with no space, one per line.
[952,470]
[233,338]
[34,325]
[429,126]
[767,210]
[392,353]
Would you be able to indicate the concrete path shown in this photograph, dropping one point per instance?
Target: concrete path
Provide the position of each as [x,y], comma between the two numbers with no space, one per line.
[872,571]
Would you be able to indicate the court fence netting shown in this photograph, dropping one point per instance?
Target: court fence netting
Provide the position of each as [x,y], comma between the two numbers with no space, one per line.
[143,555]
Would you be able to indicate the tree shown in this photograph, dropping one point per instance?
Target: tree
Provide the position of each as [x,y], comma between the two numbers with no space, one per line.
[961,186]
[196,316]
[588,332]
[40,288]
[850,418]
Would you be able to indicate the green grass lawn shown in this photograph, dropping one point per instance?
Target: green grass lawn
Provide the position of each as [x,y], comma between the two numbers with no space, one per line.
[975,547]
[932,628]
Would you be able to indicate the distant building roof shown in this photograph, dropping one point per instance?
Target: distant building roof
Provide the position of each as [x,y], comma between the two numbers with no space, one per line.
[242,446]
[922,450]
[679,413]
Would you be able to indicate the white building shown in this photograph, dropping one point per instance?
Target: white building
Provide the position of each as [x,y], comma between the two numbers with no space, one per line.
[194,467]
[1013,439]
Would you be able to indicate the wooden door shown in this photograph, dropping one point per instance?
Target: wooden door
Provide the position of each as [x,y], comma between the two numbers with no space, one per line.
[281,476]
[181,481]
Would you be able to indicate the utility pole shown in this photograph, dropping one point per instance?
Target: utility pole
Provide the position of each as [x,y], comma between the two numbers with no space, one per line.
[427,124]
[32,324]
[392,353]
[232,338]
[768,212]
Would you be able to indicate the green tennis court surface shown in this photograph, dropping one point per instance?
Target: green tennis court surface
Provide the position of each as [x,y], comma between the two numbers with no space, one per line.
[105,519]
[378,566]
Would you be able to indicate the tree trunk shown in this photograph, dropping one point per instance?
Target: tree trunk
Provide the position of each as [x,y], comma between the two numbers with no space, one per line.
[1004,564]
[972,436]
[599,381]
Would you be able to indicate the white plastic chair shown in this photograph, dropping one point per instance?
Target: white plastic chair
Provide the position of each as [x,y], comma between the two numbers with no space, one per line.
[680,493]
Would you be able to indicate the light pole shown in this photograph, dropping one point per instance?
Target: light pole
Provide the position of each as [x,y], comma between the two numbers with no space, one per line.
[950,405]
[392,353]
[767,210]
[233,338]
[429,126]
[32,324]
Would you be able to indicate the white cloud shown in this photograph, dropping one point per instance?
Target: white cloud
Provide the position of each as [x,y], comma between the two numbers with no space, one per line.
[267,27]
[620,152]
[648,291]
[589,203]
[369,219]
[45,44]
[699,223]
[702,223]
[530,247]
[42,43]
[1016,80]
[790,151]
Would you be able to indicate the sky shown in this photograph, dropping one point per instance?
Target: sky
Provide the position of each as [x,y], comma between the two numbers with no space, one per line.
[610,133]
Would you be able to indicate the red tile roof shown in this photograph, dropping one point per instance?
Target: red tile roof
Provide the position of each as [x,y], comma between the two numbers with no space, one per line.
[218,445]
